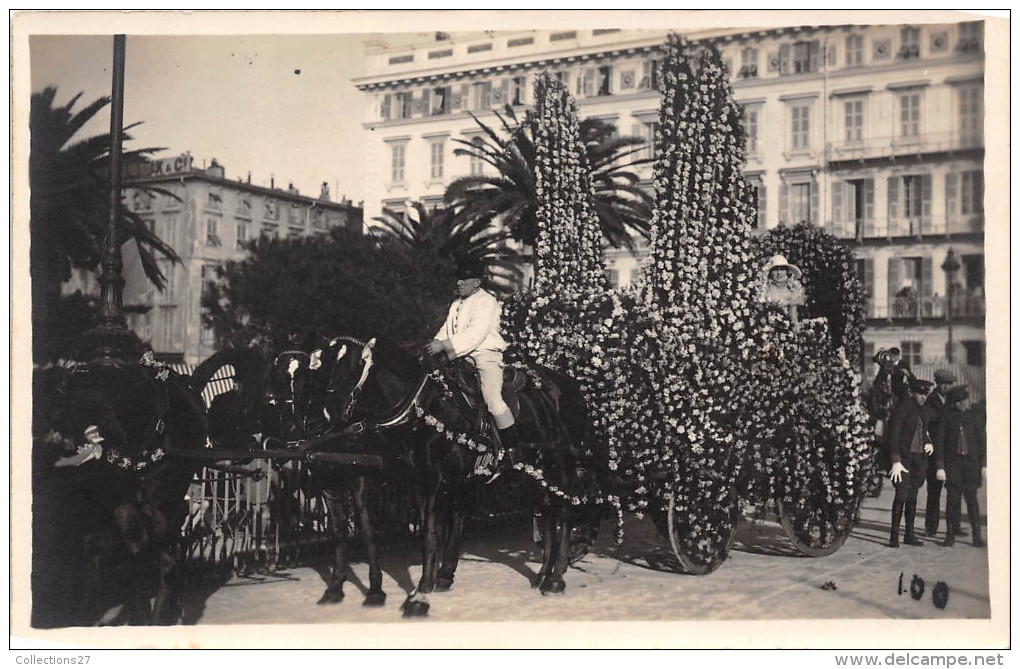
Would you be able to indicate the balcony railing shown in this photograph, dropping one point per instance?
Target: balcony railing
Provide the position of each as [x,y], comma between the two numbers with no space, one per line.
[885,147]
[964,304]
[906,227]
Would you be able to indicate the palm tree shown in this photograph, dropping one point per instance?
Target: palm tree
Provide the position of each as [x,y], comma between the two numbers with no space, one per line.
[449,236]
[509,193]
[70,204]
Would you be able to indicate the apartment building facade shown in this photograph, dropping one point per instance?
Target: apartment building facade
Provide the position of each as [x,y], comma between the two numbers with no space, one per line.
[207,219]
[874,133]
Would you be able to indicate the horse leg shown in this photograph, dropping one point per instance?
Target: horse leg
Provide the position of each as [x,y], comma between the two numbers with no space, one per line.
[338,515]
[167,609]
[136,539]
[547,527]
[560,536]
[417,604]
[375,595]
[454,518]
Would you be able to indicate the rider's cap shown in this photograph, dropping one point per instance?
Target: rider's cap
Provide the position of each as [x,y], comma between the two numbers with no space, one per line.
[470,269]
[944,376]
[920,386]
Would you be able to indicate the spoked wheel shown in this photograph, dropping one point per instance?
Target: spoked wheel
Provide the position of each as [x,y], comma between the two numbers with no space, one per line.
[693,559]
[816,531]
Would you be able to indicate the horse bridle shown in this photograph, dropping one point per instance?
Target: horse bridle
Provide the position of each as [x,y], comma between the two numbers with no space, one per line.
[366,358]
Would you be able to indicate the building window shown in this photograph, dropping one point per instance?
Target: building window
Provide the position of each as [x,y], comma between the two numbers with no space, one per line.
[971,116]
[517,88]
[649,75]
[272,212]
[971,193]
[970,37]
[436,160]
[759,223]
[614,278]
[605,80]
[556,37]
[440,101]
[853,115]
[482,92]
[912,196]
[402,103]
[242,235]
[910,352]
[650,132]
[748,63]
[397,158]
[586,83]
[910,42]
[751,124]
[800,203]
[975,351]
[910,115]
[477,164]
[805,57]
[212,229]
[169,327]
[854,50]
[800,117]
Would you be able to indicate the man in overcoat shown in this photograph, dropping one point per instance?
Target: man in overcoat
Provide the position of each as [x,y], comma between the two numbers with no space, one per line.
[960,457]
[944,380]
[908,448]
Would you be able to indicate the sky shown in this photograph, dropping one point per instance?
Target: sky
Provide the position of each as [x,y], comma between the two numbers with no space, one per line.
[280,105]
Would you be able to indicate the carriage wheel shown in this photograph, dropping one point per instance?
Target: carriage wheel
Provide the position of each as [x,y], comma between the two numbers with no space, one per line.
[815,531]
[692,561]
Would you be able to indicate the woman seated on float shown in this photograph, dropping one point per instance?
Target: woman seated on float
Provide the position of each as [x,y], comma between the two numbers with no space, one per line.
[782,286]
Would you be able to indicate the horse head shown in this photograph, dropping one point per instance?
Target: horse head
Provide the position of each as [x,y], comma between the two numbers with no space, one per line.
[289,389]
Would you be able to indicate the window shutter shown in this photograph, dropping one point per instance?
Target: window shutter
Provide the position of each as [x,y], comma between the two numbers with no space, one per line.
[926,198]
[951,197]
[762,208]
[813,56]
[926,276]
[979,192]
[784,59]
[384,110]
[869,277]
[814,214]
[784,203]
[869,207]
[895,265]
[837,204]
[426,100]
[894,200]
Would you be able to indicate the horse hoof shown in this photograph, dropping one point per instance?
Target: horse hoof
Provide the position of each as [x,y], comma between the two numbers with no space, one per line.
[331,596]
[415,609]
[375,599]
[443,584]
[553,587]
[539,581]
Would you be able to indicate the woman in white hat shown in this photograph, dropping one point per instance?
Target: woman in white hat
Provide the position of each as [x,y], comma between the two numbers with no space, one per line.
[782,285]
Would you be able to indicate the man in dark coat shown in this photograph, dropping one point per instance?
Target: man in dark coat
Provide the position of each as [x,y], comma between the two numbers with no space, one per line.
[908,448]
[960,457]
[944,380]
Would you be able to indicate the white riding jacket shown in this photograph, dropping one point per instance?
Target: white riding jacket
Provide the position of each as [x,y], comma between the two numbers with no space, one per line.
[473,324]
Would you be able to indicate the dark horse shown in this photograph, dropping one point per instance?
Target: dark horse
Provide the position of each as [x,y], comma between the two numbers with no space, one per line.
[109,494]
[284,400]
[384,397]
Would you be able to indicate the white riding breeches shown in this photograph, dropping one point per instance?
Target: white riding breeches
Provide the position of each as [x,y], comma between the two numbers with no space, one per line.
[490,373]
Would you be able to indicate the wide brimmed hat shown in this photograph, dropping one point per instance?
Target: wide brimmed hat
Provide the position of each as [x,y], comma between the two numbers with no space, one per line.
[920,386]
[470,268]
[957,394]
[780,261]
[944,376]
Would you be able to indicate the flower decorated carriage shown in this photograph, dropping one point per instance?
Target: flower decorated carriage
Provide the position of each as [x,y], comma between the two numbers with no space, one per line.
[706,402]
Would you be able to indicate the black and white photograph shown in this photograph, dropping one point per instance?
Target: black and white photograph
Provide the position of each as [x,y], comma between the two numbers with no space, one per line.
[510,329]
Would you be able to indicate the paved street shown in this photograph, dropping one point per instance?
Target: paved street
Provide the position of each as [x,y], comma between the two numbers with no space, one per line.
[763,580]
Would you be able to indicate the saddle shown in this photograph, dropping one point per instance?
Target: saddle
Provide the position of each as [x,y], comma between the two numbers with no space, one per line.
[465,375]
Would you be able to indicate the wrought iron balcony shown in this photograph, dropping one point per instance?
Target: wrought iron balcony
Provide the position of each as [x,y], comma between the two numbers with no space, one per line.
[871,148]
[919,226]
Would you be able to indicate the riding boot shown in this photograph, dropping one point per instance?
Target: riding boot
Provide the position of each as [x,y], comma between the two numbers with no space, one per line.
[950,534]
[931,509]
[910,510]
[975,522]
[894,533]
[510,440]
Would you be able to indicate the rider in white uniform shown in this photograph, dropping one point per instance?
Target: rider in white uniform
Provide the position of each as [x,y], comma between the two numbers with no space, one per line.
[472,329]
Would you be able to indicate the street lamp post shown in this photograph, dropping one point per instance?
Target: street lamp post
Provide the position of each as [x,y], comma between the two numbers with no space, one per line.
[111,339]
[950,266]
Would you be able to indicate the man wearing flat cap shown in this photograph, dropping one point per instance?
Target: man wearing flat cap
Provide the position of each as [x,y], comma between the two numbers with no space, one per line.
[944,380]
[908,448]
[472,330]
[960,453]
